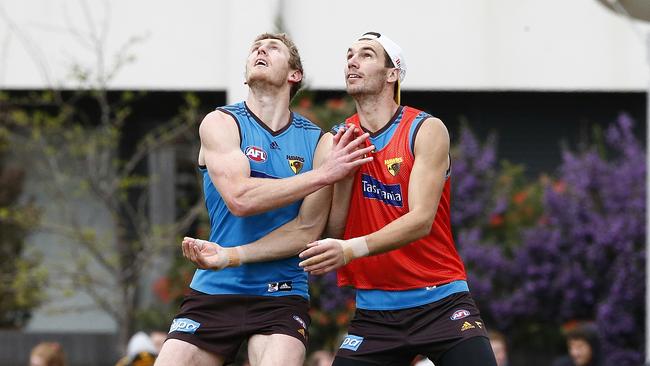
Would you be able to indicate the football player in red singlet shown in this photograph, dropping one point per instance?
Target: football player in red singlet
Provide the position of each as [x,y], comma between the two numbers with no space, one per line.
[393,215]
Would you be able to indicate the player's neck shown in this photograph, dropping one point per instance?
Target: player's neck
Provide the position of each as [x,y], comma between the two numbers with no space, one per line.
[375,110]
[270,106]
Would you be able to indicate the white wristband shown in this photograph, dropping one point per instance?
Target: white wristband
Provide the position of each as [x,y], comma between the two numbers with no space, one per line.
[354,248]
[235,257]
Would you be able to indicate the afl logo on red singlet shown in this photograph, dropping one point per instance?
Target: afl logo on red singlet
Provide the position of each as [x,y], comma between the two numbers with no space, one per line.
[255,154]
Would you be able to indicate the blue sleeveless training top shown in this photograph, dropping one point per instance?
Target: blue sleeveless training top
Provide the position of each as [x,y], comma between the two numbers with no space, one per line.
[272,155]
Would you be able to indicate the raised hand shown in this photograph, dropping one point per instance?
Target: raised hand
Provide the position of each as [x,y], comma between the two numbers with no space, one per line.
[347,154]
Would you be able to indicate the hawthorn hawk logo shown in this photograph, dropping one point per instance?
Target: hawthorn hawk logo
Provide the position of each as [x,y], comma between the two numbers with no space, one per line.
[393,165]
[296,163]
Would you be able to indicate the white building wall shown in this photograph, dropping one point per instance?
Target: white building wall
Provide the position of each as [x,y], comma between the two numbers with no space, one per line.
[449,44]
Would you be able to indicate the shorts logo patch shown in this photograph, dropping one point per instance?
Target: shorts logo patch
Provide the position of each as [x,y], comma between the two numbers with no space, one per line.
[479,324]
[459,314]
[300,321]
[255,154]
[351,342]
[184,325]
[280,286]
[302,332]
[466,326]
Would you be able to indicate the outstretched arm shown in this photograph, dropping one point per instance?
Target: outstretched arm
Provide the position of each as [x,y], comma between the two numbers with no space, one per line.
[244,195]
[425,188]
[341,195]
[286,241]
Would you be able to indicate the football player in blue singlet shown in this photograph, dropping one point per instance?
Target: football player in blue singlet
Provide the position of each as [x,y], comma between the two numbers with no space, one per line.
[267,172]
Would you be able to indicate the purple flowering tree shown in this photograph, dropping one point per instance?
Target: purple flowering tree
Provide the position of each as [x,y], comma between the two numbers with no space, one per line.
[587,260]
[541,254]
[491,205]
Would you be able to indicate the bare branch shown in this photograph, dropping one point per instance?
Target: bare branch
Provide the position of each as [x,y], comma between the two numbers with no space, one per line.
[154,141]
[76,233]
[35,52]
[181,225]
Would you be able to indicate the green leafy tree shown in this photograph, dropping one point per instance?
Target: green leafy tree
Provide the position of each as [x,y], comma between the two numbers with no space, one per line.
[76,153]
[96,180]
[22,278]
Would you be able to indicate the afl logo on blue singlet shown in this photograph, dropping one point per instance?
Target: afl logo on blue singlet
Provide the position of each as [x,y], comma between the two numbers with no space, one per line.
[255,154]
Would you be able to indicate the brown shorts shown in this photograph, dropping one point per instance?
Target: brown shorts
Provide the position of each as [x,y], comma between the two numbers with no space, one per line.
[395,337]
[221,323]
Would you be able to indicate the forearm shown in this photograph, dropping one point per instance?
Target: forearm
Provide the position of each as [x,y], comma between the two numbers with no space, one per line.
[328,254]
[246,195]
[284,242]
[291,238]
[340,206]
[398,233]
[252,196]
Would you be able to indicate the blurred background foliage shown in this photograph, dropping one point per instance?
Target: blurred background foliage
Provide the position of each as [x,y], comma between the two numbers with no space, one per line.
[22,278]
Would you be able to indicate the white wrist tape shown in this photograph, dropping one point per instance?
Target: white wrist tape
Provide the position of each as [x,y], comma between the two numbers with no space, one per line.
[235,257]
[354,248]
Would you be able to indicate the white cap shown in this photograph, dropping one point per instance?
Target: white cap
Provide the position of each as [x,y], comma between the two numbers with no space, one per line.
[140,342]
[396,56]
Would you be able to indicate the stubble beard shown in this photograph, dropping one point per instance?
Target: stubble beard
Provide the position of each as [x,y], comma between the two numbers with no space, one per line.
[362,91]
[262,81]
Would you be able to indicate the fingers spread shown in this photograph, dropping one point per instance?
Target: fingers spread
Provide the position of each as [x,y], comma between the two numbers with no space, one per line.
[360,162]
[362,152]
[348,135]
[356,142]
[337,136]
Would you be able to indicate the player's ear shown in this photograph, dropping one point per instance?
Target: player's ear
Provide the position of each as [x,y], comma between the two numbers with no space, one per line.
[393,75]
[295,76]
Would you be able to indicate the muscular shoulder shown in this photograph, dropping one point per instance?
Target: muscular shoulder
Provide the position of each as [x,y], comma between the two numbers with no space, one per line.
[432,132]
[216,118]
[218,125]
[326,140]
